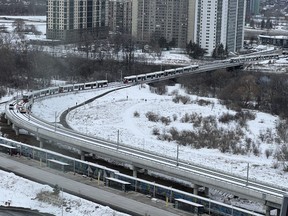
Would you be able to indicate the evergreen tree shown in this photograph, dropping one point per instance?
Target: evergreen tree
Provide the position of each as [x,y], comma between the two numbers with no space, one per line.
[219,52]
[263,24]
[195,51]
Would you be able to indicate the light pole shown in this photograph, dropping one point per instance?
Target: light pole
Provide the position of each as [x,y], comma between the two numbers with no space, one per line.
[55,119]
[62,204]
[177,155]
[117,139]
[120,75]
[247,174]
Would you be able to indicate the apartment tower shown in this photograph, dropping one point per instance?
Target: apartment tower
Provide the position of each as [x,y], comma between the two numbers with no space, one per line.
[120,16]
[220,21]
[71,20]
[152,19]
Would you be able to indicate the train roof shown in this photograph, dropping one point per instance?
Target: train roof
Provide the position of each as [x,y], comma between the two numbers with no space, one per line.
[130,77]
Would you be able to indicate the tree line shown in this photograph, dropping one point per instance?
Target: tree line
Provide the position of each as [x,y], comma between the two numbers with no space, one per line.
[23,8]
[243,90]
[28,66]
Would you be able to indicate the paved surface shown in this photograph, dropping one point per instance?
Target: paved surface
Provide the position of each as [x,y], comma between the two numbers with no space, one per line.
[12,211]
[128,202]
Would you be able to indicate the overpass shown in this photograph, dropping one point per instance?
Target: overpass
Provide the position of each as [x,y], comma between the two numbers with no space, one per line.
[269,195]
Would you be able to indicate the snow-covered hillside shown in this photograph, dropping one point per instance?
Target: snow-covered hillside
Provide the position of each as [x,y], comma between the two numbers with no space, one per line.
[20,192]
[116,112]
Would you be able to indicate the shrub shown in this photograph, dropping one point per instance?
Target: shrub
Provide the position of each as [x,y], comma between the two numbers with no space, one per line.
[197,120]
[174,133]
[165,137]
[56,190]
[202,102]
[282,128]
[165,120]
[156,131]
[268,153]
[174,117]
[136,114]
[3,92]
[266,136]
[175,92]
[176,99]
[282,155]
[185,118]
[275,165]
[152,117]
[226,118]
[185,99]
[255,149]
[161,90]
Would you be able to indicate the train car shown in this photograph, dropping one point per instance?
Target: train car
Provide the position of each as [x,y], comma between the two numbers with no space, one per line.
[44,92]
[102,83]
[78,86]
[53,90]
[254,58]
[179,70]
[26,97]
[141,77]
[130,79]
[65,88]
[195,67]
[90,85]
[150,76]
[169,72]
[188,69]
[11,106]
[159,74]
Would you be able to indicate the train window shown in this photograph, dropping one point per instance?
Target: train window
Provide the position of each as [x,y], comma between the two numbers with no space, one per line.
[11,106]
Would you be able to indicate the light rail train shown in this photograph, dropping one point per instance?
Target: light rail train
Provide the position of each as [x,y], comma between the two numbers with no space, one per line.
[254,58]
[25,102]
[63,88]
[159,74]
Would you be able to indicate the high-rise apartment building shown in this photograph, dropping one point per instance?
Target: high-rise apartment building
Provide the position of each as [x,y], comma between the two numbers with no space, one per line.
[69,20]
[219,21]
[120,16]
[152,19]
[252,8]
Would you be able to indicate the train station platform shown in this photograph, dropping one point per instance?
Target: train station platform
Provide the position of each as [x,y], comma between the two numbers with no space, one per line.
[127,202]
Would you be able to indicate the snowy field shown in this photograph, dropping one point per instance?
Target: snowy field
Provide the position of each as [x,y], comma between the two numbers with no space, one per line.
[20,192]
[115,112]
[38,21]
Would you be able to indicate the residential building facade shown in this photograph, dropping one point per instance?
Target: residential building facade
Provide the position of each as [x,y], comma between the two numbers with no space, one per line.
[220,21]
[252,8]
[70,20]
[120,16]
[205,22]
[161,18]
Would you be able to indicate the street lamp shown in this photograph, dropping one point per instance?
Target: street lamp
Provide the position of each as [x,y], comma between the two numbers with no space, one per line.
[177,154]
[247,174]
[55,119]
